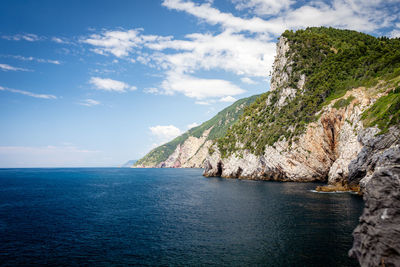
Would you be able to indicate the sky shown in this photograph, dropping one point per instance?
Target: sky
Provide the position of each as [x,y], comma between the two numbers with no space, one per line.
[97,83]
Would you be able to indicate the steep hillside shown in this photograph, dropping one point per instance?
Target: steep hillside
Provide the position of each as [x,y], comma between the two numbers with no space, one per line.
[332,114]
[191,148]
[324,85]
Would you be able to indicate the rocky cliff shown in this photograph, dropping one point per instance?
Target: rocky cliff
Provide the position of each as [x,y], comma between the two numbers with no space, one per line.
[190,149]
[377,169]
[332,114]
[306,127]
[322,152]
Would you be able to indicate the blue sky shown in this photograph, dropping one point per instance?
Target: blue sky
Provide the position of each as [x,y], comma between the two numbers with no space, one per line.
[97,83]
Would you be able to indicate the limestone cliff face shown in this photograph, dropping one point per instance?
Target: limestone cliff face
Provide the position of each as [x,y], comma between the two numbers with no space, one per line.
[351,141]
[282,71]
[323,152]
[190,154]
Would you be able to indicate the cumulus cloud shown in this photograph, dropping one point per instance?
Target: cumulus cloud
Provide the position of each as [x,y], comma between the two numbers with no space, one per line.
[213,16]
[199,88]
[243,46]
[248,80]
[27,93]
[110,85]
[6,67]
[119,43]
[227,51]
[357,14]
[165,133]
[263,7]
[89,102]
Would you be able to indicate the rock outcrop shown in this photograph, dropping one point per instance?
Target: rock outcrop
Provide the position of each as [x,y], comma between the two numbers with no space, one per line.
[353,143]
[190,149]
[322,153]
[377,169]
[190,154]
[374,154]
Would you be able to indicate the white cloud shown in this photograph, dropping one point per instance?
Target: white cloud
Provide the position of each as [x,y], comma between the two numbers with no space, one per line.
[192,125]
[203,103]
[227,51]
[30,37]
[248,80]
[48,156]
[263,7]
[27,93]
[165,133]
[110,85]
[356,14]
[213,16]
[199,88]
[118,43]
[89,102]
[395,34]
[40,60]
[152,90]
[6,67]
[60,40]
[228,99]
[243,46]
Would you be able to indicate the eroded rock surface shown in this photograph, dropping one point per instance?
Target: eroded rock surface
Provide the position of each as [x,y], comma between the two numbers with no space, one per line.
[373,154]
[377,237]
[322,153]
[191,154]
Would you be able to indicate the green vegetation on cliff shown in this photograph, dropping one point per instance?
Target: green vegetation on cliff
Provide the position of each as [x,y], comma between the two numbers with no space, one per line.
[219,123]
[385,112]
[333,61]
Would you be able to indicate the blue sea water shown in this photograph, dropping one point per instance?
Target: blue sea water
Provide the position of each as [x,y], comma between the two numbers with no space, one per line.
[111,216]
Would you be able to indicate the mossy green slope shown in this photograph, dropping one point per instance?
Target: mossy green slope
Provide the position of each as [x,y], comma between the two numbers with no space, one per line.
[334,61]
[220,123]
[385,112]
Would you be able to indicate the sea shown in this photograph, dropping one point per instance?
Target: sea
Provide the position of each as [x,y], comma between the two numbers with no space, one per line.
[169,217]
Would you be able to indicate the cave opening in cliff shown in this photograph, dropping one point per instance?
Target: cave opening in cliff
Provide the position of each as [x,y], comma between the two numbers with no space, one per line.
[239,172]
[219,169]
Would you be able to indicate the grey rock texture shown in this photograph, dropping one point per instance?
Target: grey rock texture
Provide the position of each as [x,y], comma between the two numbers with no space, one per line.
[190,154]
[377,237]
[322,153]
[280,71]
[373,154]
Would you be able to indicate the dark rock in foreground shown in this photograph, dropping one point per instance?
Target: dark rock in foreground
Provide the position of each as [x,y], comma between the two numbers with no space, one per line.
[377,237]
